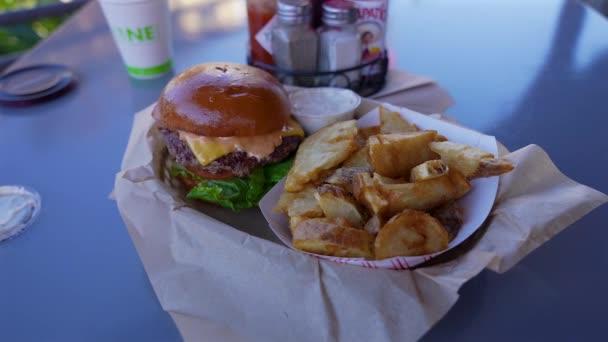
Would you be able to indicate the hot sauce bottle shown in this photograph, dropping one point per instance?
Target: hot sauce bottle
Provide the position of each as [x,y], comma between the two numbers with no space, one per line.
[259,13]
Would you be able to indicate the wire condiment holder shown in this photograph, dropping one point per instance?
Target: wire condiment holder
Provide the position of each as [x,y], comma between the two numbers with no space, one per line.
[371,80]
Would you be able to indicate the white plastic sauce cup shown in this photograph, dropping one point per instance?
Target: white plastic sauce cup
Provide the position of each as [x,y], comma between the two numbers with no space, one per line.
[315,108]
[142,32]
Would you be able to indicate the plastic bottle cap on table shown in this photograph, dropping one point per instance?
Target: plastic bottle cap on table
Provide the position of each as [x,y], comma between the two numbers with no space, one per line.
[19,208]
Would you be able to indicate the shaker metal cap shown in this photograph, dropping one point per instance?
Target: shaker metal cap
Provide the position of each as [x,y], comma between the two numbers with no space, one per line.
[293,8]
[339,12]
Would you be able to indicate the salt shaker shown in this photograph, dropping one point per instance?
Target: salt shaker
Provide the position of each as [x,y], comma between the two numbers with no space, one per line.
[339,43]
[294,42]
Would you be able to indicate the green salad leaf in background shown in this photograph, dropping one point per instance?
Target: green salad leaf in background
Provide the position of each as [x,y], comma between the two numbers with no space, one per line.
[236,193]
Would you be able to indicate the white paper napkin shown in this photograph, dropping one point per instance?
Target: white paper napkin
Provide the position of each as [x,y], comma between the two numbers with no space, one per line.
[241,287]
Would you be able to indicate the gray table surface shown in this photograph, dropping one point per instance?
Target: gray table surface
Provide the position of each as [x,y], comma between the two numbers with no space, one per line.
[524,71]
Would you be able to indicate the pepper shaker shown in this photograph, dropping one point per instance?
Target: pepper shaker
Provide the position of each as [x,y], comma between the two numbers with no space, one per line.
[294,42]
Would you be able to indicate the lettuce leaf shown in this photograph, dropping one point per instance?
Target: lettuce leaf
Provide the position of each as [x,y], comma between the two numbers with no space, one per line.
[180,171]
[277,171]
[236,193]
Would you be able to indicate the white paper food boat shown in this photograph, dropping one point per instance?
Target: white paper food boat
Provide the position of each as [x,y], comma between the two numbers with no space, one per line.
[476,204]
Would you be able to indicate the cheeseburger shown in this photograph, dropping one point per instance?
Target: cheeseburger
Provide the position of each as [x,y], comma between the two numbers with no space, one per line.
[229,129]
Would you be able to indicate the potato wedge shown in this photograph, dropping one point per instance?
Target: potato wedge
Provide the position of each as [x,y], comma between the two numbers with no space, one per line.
[394,155]
[324,150]
[301,203]
[422,195]
[441,138]
[393,122]
[387,180]
[324,236]
[358,159]
[451,217]
[367,132]
[470,161]
[366,192]
[343,176]
[489,167]
[364,133]
[374,224]
[294,221]
[336,202]
[428,170]
[410,233]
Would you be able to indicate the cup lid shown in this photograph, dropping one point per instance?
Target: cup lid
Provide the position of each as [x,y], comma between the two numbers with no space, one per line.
[34,82]
[19,208]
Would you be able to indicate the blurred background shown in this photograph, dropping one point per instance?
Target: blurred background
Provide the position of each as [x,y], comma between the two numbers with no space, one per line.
[23,23]
[600,5]
[22,36]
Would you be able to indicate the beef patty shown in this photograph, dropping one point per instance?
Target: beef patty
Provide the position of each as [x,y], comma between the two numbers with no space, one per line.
[234,164]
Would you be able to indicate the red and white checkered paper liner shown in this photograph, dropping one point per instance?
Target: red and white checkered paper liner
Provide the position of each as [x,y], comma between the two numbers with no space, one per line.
[476,204]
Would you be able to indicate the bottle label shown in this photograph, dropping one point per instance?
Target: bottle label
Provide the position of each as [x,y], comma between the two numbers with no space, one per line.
[264,35]
[371,24]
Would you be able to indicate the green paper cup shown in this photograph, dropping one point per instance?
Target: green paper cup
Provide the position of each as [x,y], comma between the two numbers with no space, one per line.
[142,32]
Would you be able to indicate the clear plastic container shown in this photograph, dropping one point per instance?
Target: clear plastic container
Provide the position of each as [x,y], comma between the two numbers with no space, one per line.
[315,108]
[19,208]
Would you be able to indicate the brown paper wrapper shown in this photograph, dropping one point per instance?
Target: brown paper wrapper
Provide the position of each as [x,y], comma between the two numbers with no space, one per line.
[222,283]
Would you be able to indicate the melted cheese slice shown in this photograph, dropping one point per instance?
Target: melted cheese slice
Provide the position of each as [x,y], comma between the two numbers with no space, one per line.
[208,149]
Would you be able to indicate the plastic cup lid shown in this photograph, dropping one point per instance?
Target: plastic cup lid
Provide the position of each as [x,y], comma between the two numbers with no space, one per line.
[19,208]
[34,82]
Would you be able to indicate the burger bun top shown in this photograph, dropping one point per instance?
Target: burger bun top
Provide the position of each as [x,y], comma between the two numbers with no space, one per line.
[223,100]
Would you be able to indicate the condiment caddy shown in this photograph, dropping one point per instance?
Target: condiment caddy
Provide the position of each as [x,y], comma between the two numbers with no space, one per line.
[347,50]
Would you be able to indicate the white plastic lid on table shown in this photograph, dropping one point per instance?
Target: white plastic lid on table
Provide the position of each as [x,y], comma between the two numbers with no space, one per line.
[34,82]
[19,208]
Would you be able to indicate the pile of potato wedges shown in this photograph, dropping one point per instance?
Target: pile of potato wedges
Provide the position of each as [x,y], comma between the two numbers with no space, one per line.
[380,191]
